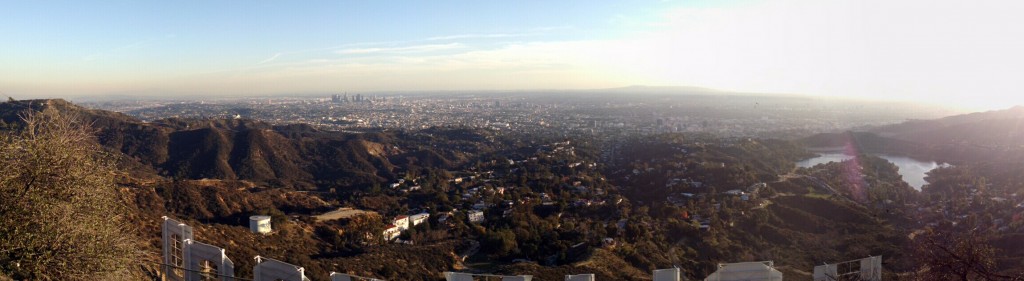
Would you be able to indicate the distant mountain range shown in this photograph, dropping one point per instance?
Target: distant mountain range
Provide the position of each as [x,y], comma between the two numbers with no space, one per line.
[990,136]
[1002,128]
[293,155]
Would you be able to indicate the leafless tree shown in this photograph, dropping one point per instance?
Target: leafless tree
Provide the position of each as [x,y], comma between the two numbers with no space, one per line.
[61,214]
[950,255]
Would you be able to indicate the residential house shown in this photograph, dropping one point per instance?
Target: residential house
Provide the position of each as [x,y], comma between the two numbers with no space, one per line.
[417,219]
[475,216]
[402,222]
[391,232]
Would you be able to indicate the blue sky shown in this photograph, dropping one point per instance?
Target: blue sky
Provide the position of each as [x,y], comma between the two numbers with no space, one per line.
[946,51]
[116,42]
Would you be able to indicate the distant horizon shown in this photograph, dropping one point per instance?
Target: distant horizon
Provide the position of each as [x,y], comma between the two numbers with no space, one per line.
[643,90]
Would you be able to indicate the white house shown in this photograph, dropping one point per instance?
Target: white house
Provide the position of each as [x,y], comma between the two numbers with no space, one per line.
[418,218]
[391,232]
[402,222]
[475,216]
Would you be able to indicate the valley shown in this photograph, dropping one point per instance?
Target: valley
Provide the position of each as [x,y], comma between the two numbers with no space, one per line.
[548,206]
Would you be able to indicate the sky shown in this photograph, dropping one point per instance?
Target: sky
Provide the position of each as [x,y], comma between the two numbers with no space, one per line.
[963,53]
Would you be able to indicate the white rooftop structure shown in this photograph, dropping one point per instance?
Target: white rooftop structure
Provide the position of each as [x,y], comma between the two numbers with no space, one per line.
[866,269]
[746,271]
[671,274]
[259,224]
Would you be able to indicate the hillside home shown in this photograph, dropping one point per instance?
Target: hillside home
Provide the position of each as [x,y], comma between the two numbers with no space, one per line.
[402,222]
[475,216]
[391,232]
[417,219]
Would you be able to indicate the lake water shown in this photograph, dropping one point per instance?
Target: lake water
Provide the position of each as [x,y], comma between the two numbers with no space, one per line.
[912,170]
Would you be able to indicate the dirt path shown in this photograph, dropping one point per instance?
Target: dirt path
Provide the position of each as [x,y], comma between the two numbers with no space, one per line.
[461,263]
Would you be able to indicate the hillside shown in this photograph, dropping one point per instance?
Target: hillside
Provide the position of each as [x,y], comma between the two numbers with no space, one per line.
[1001,128]
[978,193]
[552,205]
[684,182]
[863,141]
[237,149]
[993,136]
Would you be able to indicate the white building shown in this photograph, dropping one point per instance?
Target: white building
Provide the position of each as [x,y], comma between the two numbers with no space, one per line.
[391,232]
[402,222]
[475,216]
[417,219]
[259,224]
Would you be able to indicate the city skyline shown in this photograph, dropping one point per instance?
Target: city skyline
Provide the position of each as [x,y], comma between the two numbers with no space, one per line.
[946,52]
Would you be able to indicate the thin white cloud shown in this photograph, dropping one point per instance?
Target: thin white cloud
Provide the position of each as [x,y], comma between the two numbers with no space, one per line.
[272,58]
[126,47]
[404,49]
[99,55]
[385,46]
[477,36]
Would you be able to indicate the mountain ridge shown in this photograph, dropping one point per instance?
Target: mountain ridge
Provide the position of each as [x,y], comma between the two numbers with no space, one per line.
[982,136]
[241,149]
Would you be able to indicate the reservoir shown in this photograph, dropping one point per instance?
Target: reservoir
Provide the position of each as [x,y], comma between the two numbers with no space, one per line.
[912,170]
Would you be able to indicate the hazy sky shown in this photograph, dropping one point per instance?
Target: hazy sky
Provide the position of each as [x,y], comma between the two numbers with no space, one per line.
[958,52]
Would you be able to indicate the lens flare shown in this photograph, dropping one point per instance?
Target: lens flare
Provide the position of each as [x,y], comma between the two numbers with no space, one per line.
[853,172]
